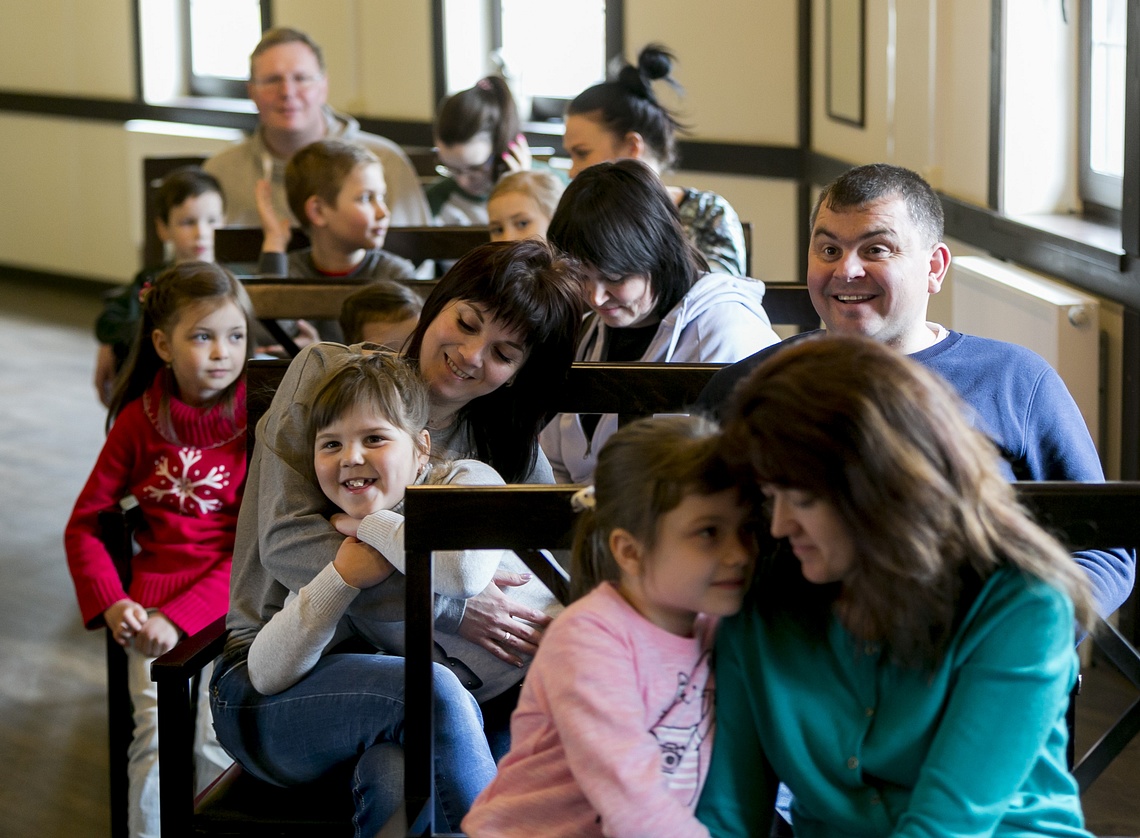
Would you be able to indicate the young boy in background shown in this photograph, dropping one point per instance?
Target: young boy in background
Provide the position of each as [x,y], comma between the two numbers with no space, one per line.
[189,207]
[383,312]
[336,189]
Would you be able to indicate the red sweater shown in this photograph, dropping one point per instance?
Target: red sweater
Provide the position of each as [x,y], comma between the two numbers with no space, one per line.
[189,494]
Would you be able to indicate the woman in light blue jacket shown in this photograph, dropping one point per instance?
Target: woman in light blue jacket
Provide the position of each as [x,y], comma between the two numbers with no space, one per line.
[650,291]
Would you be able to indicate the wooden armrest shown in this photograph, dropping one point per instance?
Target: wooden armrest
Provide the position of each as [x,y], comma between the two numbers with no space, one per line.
[191,654]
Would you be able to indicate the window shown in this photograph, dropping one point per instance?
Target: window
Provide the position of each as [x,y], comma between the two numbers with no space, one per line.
[514,37]
[197,47]
[1103,29]
[220,36]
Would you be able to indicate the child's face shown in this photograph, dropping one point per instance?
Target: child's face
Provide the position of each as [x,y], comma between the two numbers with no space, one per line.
[815,531]
[205,350]
[390,334]
[364,461]
[359,218]
[191,225]
[514,216]
[701,562]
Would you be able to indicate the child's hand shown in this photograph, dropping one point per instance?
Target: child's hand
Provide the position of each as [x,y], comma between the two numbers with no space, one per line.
[277,230]
[105,373]
[345,524]
[306,333]
[495,621]
[361,565]
[125,618]
[517,156]
[157,636]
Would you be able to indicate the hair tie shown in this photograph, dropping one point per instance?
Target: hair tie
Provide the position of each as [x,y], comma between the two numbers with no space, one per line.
[583,500]
[144,290]
[483,84]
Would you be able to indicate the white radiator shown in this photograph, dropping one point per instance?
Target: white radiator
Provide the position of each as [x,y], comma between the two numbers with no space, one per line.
[997,300]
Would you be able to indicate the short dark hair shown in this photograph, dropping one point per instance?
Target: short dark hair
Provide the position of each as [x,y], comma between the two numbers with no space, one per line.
[864,185]
[627,103]
[285,35]
[531,288]
[617,217]
[320,169]
[382,300]
[180,184]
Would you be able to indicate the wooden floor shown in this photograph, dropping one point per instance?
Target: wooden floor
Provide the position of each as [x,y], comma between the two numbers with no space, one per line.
[53,761]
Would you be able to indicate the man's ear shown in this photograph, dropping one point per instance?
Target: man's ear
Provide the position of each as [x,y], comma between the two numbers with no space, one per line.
[627,551]
[161,345]
[939,265]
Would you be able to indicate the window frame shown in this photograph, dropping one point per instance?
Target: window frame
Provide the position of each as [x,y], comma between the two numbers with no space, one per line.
[1101,194]
[214,86]
[549,108]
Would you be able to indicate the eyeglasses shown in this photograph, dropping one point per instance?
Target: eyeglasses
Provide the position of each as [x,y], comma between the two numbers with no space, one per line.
[302,81]
[459,171]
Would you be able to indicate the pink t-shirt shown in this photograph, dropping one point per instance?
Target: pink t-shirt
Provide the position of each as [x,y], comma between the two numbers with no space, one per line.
[613,730]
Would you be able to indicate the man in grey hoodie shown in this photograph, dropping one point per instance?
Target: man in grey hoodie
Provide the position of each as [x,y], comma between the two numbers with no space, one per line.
[287,83]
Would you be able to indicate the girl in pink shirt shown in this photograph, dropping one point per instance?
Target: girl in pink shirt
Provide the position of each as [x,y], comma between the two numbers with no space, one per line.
[614,725]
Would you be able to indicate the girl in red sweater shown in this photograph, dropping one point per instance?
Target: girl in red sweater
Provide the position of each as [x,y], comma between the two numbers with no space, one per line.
[177,445]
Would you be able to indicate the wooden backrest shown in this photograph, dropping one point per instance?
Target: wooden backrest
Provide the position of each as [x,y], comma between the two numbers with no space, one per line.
[630,390]
[241,245]
[790,305]
[154,170]
[1081,515]
[747,227]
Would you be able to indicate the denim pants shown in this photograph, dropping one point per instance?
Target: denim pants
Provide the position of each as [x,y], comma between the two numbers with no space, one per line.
[347,712]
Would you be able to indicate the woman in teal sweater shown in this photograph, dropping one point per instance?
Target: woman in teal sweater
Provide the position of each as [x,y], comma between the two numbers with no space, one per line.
[905,666]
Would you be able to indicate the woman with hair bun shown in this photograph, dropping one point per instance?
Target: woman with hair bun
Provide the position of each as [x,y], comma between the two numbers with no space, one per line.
[478,139]
[622,118]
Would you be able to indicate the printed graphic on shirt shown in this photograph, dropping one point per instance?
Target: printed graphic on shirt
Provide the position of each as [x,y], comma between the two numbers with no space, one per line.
[682,728]
[184,484]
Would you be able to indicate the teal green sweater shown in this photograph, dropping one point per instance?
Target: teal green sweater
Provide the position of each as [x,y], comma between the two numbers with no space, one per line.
[868,748]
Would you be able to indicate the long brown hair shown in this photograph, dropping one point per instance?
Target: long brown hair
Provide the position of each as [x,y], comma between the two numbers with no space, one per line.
[919,489]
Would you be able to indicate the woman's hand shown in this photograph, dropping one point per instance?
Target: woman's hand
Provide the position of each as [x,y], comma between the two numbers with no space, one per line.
[360,565]
[495,621]
[277,230]
[517,156]
[345,524]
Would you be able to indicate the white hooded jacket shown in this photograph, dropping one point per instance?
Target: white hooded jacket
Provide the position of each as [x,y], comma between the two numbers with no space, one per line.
[720,320]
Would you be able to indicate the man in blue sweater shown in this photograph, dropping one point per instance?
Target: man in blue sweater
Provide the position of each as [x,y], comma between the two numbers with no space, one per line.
[875,257]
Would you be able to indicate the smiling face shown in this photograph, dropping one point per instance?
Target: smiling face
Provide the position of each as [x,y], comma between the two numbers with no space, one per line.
[190,226]
[701,562]
[620,302]
[205,350]
[514,216]
[290,91]
[815,531]
[588,141]
[364,461]
[870,273]
[359,218]
[466,354]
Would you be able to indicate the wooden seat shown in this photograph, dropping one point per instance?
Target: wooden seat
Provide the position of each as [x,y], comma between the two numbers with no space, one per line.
[241,245]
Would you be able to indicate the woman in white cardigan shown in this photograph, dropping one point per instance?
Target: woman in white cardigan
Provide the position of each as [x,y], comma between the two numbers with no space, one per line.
[650,291]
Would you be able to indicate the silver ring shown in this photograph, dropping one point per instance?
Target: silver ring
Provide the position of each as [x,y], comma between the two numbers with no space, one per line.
[509,638]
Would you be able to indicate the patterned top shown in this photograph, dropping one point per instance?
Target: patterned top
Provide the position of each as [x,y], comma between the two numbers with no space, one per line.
[715,230]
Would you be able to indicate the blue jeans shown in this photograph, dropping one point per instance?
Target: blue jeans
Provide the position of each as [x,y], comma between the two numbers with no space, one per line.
[348,712]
